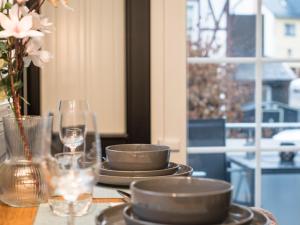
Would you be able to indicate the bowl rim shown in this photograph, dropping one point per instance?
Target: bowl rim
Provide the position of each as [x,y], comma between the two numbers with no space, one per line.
[163,148]
[175,166]
[133,188]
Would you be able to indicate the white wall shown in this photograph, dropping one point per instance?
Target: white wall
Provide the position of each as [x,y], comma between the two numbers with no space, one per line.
[88,46]
[168,75]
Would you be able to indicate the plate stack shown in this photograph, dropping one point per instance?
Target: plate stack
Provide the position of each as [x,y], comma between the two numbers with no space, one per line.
[181,201]
[132,162]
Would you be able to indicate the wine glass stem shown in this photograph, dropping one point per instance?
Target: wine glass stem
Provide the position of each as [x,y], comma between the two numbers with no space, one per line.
[71,218]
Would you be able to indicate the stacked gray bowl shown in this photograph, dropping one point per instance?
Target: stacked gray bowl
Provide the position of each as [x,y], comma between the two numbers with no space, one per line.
[137,157]
[179,200]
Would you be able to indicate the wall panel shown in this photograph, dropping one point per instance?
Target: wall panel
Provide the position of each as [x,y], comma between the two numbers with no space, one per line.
[88,47]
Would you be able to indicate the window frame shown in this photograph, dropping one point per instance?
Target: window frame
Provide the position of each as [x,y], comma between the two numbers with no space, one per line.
[258,60]
[138,108]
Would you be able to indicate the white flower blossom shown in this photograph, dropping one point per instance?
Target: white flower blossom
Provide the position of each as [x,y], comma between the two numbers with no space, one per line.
[35,54]
[40,23]
[13,26]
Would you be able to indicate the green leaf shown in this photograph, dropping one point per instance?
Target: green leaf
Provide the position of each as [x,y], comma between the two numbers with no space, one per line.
[3,46]
[7,5]
[24,100]
[18,85]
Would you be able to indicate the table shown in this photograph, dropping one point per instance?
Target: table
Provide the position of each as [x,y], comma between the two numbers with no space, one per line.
[270,164]
[26,216]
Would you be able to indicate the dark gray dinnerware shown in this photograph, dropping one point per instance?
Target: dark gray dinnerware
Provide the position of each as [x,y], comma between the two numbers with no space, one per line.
[114,216]
[169,170]
[182,170]
[260,218]
[238,215]
[137,157]
[181,200]
[111,216]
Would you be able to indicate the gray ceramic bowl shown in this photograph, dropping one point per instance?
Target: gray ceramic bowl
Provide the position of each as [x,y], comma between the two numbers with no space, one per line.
[140,157]
[181,200]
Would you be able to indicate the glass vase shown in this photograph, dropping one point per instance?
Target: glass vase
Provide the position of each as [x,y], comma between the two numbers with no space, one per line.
[22,183]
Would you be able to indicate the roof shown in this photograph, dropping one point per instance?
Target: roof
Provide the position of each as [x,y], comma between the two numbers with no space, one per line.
[285,9]
[271,72]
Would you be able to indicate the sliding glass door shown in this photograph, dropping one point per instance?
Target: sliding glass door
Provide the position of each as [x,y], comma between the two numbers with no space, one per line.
[243,93]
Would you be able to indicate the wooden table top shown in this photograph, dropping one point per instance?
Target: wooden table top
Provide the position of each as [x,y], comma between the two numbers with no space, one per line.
[25,216]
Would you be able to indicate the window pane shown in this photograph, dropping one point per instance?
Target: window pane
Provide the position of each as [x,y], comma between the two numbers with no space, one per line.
[219,28]
[281,184]
[242,175]
[221,104]
[281,105]
[281,28]
[237,168]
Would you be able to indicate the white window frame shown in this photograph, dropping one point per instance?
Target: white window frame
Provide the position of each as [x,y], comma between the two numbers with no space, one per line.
[169,78]
[258,61]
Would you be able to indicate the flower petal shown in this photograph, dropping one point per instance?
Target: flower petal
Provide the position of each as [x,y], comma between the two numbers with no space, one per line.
[34,33]
[14,12]
[5,22]
[36,61]
[26,23]
[45,56]
[5,34]
[20,35]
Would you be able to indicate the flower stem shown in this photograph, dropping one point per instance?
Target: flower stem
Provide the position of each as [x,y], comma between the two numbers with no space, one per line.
[17,109]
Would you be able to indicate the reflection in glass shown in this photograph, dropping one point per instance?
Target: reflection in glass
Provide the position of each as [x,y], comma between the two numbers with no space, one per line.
[281,105]
[281,30]
[237,168]
[221,92]
[219,28]
[280,184]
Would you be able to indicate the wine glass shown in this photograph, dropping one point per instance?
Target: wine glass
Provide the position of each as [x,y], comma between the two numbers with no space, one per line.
[74,180]
[72,130]
[71,174]
[73,106]
[73,138]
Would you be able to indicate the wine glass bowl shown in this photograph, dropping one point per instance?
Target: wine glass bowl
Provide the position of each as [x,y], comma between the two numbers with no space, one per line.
[73,106]
[72,129]
[73,138]
[72,179]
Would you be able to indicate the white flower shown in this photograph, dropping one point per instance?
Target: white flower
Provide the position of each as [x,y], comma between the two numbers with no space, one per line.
[16,27]
[40,23]
[35,53]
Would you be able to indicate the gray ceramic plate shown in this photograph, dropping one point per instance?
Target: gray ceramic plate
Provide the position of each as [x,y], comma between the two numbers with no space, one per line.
[259,218]
[114,216]
[182,170]
[238,215]
[111,216]
[106,170]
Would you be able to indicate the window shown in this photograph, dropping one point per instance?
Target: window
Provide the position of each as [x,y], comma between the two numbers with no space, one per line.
[289,30]
[240,95]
